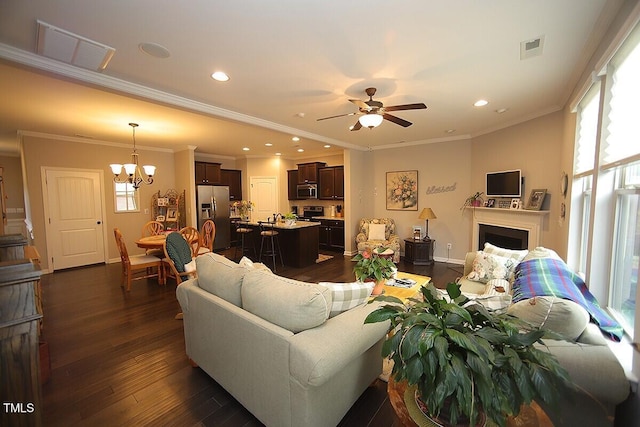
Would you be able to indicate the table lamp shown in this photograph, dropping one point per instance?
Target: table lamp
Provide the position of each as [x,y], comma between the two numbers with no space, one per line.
[427,214]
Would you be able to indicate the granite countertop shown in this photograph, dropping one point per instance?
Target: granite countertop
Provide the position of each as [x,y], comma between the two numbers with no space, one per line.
[297,225]
[329,217]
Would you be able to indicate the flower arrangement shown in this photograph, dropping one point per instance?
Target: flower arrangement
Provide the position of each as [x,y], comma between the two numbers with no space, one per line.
[403,190]
[243,207]
[373,267]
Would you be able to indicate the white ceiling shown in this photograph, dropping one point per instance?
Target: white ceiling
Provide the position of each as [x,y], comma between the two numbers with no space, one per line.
[292,62]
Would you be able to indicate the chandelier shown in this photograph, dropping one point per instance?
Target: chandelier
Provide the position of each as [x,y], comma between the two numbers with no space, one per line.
[132,170]
[370,120]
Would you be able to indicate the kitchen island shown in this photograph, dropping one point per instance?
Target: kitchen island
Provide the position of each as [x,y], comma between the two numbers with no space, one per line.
[298,242]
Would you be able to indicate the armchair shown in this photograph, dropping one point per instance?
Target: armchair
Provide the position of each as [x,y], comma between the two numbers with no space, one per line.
[391,240]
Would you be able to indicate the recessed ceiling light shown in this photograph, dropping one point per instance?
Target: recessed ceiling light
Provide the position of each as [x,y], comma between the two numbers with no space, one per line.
[155,50]
[327,146]
[502,110]
[295,138]
[480,103]
[300,150]
[278,154]
[450,130]
[268,144]
[301,115]
[245,149]
[220,76]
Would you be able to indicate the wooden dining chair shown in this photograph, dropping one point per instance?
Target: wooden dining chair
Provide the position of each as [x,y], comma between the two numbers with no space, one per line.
[177,254]
[207,236]
[132,266]
[192,236]
[153,228]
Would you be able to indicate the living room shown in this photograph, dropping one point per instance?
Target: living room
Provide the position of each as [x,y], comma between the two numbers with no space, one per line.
[542,146]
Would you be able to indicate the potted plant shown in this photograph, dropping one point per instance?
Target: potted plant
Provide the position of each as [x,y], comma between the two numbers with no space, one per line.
[475,201]
[290,219]
[372,267]
[465,359]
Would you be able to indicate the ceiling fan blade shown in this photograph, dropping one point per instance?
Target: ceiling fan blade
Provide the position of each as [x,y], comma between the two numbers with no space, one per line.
[339,115]
[360,104]
[397,120]
[357,126]
[419,106]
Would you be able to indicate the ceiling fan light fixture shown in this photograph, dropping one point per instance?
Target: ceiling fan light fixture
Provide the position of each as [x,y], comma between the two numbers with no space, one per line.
[370,120]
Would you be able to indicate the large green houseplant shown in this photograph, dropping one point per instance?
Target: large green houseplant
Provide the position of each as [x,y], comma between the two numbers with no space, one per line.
[466,358]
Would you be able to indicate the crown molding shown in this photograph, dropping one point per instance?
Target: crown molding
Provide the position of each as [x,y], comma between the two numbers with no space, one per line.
[40,62]
[23,133]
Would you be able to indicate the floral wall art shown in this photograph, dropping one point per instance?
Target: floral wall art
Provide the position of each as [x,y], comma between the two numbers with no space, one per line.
[402,190]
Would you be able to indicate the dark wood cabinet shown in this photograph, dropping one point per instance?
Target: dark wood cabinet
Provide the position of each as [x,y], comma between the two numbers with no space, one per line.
[331,183]
[418,252]
[331,234]
[232,178]
[292,184]
[19,350]
[308,172]
[208,173]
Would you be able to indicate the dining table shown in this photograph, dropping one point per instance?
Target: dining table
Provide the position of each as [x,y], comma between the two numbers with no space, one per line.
[151,242]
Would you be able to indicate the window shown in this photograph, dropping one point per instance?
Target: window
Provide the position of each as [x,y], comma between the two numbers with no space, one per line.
[126,197]
[607,170]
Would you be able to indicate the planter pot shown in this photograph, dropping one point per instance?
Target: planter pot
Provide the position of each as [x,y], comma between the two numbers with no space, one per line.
[289,222]
[481,421]
[476,203]
[378,289]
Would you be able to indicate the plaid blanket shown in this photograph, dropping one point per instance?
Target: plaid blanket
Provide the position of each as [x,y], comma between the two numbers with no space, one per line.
[552,277]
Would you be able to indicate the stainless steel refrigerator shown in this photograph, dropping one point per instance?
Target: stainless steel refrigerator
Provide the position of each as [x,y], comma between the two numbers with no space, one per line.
[213,203]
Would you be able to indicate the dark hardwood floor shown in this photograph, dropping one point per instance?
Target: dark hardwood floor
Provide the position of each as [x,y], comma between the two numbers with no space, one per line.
[118,357]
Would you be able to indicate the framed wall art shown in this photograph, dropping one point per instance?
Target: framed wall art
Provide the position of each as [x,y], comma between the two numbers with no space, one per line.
[172,215]
[535,199]
[402,191]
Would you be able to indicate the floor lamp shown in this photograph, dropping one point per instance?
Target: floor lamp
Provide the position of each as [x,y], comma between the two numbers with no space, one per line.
[427,214]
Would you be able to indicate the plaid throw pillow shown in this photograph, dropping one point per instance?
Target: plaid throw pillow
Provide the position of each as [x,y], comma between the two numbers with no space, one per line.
[348,295]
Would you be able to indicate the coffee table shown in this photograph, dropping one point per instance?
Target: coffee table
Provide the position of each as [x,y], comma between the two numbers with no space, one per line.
[405,293]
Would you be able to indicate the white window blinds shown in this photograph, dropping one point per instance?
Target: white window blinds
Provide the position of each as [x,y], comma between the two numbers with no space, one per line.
[587,131]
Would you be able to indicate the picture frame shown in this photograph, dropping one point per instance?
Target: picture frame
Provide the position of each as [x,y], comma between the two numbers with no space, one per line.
[172,215]
[491,203]
[536,198]
[160,218]
[417,232]
[163,201]
[515,204]
[401,192]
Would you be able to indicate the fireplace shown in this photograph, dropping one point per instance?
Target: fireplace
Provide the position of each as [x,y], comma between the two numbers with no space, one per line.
[513,228]
[508,238]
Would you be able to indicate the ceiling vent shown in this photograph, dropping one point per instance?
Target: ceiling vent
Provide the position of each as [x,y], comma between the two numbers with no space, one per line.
[531,48]
[64,46]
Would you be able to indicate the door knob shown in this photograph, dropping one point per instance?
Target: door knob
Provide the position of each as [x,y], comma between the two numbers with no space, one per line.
[99,222]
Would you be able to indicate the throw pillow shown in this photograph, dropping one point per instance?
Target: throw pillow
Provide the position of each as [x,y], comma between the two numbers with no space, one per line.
[376,232]
[290,304]
[220,276]
[250,265]
[559,315]
[541,252]
[346,296]
[507,253]
[487,267]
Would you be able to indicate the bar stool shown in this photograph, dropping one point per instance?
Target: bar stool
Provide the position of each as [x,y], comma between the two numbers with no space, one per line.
[244,231]
[268,232]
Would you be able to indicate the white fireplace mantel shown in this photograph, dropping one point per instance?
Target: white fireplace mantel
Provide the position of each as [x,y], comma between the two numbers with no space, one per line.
[531,221]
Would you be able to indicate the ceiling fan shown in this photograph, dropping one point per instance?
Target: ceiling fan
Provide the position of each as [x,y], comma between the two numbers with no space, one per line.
[372,112]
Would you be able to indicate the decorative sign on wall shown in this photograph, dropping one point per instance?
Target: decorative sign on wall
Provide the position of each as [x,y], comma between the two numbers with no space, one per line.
[442,189]
[402,191]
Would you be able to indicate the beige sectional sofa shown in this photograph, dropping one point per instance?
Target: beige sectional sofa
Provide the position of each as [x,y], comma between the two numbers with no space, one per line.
[597,373]
[269,342]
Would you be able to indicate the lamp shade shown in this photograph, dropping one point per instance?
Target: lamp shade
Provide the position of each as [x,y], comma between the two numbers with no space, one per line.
[427,213]
[370,120]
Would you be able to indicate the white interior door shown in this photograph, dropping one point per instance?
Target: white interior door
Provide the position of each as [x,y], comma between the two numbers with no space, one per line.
[264,195]
[75,235]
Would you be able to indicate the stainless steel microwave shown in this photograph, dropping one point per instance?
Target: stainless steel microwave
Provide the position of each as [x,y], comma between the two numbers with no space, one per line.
[307,191]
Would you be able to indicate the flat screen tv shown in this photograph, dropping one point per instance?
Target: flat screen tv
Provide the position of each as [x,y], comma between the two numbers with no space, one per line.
[504,184]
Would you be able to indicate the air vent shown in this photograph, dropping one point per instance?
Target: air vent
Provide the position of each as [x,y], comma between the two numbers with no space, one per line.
[64,46]
[531,48]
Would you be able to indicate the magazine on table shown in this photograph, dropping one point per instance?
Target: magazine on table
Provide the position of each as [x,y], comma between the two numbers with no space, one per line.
[402,283]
